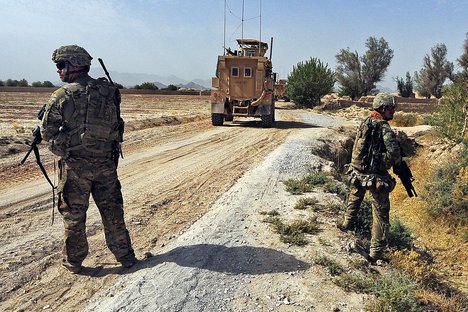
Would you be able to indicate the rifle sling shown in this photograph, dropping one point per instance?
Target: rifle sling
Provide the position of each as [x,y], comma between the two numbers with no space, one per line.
[44,172]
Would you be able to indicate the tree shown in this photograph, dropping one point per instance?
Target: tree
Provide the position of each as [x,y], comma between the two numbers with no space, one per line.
[2,83]
[36,84]
[405,88]
[11,83]
[310,81]
[23,83]
[172,87]
[436,69]
[149,86]
[47,84]
[359,75]
[463,62]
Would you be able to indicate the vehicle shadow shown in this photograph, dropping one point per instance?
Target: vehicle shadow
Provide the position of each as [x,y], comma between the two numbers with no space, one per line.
[279,124]
[218,258]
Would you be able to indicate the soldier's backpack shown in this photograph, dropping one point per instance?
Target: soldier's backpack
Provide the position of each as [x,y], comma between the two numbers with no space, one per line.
[95,127]
[368,146]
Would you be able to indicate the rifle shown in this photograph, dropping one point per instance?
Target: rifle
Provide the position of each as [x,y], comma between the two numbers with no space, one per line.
[37,139]
[406,176]
[374,148]
[116,148]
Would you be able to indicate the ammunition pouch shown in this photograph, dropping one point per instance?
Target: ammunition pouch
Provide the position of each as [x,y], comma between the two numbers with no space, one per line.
[381,183]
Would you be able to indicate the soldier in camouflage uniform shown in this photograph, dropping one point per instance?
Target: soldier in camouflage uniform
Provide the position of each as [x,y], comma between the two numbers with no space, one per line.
[375,151]
[83,125]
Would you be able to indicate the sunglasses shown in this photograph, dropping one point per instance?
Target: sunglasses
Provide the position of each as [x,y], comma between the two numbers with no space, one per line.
[61,65]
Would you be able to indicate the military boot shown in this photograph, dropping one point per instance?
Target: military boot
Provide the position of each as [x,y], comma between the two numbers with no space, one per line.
[345,226]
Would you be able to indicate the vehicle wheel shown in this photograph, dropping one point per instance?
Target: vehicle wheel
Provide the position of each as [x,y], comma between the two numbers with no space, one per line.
[229,118]
[217,119]
[267,120]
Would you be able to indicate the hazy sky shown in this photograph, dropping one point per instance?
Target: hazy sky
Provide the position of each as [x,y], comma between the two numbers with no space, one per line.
[184,37]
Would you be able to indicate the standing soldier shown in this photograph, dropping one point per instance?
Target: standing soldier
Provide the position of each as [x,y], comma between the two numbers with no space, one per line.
[83,125]
[375,151]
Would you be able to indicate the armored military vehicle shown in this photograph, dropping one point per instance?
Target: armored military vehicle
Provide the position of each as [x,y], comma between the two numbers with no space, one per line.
[280,90]
[244,84]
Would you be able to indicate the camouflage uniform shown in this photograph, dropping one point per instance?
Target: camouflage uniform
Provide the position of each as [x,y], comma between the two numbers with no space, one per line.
[84,171]
[372,175]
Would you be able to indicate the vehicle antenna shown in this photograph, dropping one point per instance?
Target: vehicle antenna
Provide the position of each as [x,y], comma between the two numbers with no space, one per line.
[224,34]
[242,21]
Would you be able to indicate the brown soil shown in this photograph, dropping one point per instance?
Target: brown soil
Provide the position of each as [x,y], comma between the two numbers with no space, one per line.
[175,166]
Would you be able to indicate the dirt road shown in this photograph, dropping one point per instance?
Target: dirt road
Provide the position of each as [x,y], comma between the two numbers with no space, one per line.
[171,176]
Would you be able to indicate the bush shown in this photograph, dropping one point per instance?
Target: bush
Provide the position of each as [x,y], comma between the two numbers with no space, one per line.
[310,81]
[446,190]
[395,292]
[451,118]
[399,235]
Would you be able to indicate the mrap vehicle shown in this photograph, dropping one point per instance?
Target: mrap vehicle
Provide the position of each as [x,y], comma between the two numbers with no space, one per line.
[244,84]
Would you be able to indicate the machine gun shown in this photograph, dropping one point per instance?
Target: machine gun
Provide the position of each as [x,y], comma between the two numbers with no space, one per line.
[37,139]
[406,176]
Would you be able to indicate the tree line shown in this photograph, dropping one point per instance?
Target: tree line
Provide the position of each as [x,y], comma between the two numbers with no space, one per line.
[24,83]
[48,84]
[357,75]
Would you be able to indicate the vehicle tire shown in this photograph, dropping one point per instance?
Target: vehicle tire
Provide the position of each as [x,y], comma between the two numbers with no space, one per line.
[229,118]
[267,120]
[217,119]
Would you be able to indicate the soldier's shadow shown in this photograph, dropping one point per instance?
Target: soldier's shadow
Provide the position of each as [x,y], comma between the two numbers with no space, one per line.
[230,260]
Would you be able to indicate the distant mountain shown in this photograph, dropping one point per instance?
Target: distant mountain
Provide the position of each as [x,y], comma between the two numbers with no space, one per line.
[132,79]
[191,85]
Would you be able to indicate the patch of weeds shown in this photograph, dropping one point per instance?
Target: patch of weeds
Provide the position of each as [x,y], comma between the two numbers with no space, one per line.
[336,188]
[333,267]
[359,283]
[399,235]
[293,233]
[308,202]
[395,292]
[305,184]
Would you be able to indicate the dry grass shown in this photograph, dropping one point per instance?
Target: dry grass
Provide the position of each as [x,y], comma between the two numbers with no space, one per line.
[445,242]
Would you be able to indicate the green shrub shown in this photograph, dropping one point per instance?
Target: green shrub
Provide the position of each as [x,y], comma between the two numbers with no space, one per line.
[451,116]
[399,235]
[336,188]
[395,292]
[446,190]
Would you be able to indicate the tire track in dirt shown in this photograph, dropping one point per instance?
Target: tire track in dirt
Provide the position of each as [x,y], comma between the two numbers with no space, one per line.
[169,181]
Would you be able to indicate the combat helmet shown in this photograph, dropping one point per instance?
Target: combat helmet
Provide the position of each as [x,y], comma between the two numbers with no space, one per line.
[73,54]
[384,99]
